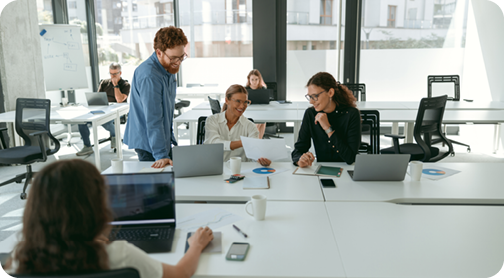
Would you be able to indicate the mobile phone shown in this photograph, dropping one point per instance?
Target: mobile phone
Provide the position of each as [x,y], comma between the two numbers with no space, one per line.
[328,183]
[238,251]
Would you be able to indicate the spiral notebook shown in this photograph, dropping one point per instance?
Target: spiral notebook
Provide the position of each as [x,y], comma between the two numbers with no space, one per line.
[256,183]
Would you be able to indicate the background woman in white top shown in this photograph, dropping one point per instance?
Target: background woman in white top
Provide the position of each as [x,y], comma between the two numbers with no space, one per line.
[227,126]
[254,82]
[64,223]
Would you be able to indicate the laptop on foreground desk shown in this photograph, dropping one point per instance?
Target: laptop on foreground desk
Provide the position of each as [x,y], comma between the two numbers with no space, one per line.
[143,206]
[380,167]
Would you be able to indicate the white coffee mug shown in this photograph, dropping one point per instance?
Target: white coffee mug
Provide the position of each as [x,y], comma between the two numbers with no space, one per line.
[258,203]
[416,168]
[64,101]
[117,165]
[235,165]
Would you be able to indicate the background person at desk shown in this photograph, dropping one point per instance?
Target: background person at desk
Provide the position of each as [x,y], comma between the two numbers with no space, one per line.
[150,123]
[333,122]
[254,82]
[227,126]
[64,227]
[117,90]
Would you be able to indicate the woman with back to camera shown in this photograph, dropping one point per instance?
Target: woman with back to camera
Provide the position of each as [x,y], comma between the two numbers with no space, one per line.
[65,223]
[254,82]
[333,122]
[227,126]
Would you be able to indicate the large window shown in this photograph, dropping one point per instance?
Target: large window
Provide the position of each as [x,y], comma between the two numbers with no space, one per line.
[220,41]
[404,43]
[312,42]
[44,11]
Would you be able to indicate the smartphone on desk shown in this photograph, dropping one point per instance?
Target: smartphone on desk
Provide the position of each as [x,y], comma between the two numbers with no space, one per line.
[238,251]
[328,183]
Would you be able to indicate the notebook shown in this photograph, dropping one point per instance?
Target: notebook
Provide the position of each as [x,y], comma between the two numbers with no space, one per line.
[319,170]
[97,99]
[380,167]
[143,206]
[256,183]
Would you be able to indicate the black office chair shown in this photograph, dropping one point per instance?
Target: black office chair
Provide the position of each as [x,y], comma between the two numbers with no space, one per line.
[32,124]
[200,135]
[214,105]
[3,144]
[370,120]
[428,123]
[117,273]
[455,79]
[357,88]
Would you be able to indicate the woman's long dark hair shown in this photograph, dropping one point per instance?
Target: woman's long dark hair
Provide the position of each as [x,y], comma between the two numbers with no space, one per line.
[342,95]
[258,74]
[66,210]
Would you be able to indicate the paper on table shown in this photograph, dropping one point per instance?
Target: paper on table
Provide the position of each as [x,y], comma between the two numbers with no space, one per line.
[436,173]
[213,218]
[272,149]
[151,170]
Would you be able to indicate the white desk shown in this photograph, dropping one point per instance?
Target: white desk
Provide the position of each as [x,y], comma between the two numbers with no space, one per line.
[284,186]
[192,117]
[477,183]
[388,240]
[201,92]
[79,115]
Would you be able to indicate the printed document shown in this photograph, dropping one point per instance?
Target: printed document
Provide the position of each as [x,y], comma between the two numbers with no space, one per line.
[272,149]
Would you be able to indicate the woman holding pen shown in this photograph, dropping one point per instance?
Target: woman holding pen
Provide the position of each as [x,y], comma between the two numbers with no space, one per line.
[333,123]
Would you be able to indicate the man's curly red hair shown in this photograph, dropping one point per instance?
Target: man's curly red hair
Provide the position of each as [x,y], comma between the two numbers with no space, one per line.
[169,37]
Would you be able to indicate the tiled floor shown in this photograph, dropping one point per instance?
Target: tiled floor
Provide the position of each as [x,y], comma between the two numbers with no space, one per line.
[11,206]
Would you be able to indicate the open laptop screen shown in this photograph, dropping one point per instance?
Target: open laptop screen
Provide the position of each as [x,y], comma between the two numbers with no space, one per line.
[142,198]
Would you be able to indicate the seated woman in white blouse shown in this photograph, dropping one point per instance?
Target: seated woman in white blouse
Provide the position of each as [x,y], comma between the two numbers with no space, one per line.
[227,126]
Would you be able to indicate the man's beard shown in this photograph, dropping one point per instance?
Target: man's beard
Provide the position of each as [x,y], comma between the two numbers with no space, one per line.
[173,70]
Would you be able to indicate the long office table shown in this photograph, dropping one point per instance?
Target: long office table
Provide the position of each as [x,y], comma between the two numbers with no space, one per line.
[80,114]
[389,240]
[284,185]
[476,183]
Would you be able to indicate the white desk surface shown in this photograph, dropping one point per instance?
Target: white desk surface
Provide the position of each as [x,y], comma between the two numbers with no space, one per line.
[388,240]
[477,183]
[463,105]
[284,185]
[303,105]
[256,115]
[449,117]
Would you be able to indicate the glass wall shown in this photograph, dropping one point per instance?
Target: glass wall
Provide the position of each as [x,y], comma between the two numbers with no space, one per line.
[44,11]
[312,40]
[405,41]
[220,41]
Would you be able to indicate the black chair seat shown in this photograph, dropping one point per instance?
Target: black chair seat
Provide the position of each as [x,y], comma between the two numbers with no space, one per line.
[414,149]
[21,155]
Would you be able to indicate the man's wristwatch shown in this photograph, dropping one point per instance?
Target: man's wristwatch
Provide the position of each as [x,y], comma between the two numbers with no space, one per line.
[116,86]
[329,130]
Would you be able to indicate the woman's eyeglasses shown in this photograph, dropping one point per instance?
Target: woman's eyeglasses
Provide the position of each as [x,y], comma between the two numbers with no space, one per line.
[245,102]
[314,97]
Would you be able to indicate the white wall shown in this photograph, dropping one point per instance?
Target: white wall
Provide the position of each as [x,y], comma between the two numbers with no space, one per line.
[314,12]
[223,71]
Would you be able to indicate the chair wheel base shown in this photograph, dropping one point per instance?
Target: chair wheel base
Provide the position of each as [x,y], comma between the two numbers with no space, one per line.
[452,154]
[468,150]
[23,196]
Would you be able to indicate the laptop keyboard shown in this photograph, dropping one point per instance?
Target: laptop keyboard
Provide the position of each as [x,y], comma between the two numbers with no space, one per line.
[142,234]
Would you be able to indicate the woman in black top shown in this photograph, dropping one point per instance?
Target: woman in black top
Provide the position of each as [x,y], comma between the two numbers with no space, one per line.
[333,122]
[254,82]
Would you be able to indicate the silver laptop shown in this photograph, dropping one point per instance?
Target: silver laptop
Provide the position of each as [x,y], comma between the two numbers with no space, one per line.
[198,160]
[143,205]
[380,167]
[97,99]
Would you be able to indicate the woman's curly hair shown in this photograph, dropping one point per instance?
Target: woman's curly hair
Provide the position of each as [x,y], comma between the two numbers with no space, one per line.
[342,95]
[67,209]
[169,37]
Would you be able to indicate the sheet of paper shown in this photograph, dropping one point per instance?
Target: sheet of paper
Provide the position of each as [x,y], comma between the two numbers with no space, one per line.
[213,218]
[255,183]
[261,171]
[434,172]
[151,170]
[272,149]
[312,170]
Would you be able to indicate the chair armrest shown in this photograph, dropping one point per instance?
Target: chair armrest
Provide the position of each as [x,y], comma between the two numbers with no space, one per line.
[38,133]
[3,129]
[395,136]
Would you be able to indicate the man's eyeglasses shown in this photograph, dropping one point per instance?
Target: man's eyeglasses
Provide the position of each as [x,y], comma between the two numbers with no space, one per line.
[114,74]
[177,59]
[245,102]
[314,97]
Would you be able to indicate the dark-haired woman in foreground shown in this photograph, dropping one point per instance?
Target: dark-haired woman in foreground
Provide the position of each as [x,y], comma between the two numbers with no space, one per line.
[333,122]
[65,223]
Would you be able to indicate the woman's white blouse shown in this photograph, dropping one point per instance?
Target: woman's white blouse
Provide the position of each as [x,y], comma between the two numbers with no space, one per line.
[217,131]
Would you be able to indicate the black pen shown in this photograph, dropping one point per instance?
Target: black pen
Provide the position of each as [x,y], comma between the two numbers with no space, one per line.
[240,231]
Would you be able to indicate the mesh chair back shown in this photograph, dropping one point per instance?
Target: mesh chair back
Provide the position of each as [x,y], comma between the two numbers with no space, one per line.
[272,86]
[428,123]
[117,273]
[357,88]
[455,79]
[371,125]
[200,136]
[33,115]
[214,105]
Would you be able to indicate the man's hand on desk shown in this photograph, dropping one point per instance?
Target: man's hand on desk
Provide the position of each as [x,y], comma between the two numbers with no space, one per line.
[162,163]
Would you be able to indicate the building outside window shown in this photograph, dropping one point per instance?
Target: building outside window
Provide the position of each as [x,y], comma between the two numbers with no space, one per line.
[326,12]
[44,11]
[391,16]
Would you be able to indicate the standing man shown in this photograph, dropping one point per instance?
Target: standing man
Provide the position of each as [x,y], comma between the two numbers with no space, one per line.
[117,90]
[150,123]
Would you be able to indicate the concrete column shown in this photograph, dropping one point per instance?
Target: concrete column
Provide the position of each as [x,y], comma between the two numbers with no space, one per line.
[21,70]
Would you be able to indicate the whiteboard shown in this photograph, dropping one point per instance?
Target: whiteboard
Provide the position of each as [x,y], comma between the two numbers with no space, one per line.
[62,57]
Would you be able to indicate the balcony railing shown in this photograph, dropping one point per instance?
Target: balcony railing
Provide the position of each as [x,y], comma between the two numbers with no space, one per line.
[300,18]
